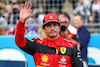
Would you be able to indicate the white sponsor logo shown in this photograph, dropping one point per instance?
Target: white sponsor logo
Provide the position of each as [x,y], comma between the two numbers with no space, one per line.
[45,64]
[62,65]
[62,60]
[70,44]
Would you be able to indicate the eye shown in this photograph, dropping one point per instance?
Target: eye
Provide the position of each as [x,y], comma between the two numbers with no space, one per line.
[55,24]
[48,25]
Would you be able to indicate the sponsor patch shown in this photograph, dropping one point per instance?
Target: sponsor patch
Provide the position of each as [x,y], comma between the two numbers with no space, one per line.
[62,60]
[44,58]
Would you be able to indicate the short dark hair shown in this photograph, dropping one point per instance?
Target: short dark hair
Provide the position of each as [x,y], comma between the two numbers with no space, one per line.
[66,15]
[79,15]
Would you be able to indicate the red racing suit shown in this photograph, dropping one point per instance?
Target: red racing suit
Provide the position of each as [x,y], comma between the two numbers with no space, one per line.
[49,53]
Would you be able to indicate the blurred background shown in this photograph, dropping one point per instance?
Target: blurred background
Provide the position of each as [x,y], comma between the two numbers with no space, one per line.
[11,55]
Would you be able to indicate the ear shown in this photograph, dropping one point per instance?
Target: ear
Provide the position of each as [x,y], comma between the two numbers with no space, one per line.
[59,29]
[82,20]
[68,24]
[43,29]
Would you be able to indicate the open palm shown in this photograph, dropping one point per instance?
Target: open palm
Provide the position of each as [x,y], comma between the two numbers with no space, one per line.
[25,11]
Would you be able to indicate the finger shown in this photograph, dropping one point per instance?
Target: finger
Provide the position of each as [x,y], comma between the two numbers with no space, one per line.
[30,11]
[25,5]
[22,7]
[30,7]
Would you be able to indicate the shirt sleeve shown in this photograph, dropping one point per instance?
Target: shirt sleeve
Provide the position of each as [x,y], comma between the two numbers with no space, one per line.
[20,40]
[26,45]
[84,39]
[76,60]
[31,46]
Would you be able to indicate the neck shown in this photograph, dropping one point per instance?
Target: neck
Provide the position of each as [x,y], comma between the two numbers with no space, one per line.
[77,29]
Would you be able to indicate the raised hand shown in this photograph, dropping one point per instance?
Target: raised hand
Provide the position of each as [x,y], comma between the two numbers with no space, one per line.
[25,12]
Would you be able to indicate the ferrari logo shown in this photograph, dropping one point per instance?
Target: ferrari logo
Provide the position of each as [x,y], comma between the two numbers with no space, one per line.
[63,50]
[50,17]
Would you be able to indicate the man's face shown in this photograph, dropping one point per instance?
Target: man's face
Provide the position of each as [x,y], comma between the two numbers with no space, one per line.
[77,21]
[80,1]
[52,29]
[61,15]
[96,1]
[64,21]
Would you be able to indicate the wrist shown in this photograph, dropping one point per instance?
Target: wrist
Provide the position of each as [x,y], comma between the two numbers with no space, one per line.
[22,20]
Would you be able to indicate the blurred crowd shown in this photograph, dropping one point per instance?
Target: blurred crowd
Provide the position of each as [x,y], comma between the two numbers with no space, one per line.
[89,9]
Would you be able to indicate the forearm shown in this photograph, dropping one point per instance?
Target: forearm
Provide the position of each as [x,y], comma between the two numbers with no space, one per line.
[20,40]
[76,57]
[2,31]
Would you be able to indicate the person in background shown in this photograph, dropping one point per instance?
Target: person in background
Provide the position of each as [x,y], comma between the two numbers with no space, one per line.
[74,2]
[6,16]
[52,51]
[40,29]
[84,36]
[70,31]
[3,23]
[33,20]
[36,18]
[83,9]
[2,31]
[13,18]
[95,9]
[32,30]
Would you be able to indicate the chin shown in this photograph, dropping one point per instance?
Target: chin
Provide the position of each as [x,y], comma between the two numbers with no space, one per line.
[53,35]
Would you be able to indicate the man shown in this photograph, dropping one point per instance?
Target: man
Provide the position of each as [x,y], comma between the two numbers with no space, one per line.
[13,18]
[95,8]
[3,22]
[70,31]
[52,51]
[84,36]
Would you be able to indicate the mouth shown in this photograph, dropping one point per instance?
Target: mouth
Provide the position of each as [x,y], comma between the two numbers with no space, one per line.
[52,32]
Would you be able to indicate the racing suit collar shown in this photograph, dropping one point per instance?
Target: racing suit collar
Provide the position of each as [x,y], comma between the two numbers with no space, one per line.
[54,40]
[53,43]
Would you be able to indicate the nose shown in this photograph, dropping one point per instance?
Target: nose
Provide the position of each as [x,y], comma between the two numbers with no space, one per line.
[62,24]
[52,27]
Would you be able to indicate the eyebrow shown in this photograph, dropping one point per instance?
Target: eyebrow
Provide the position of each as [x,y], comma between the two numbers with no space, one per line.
[65,22]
